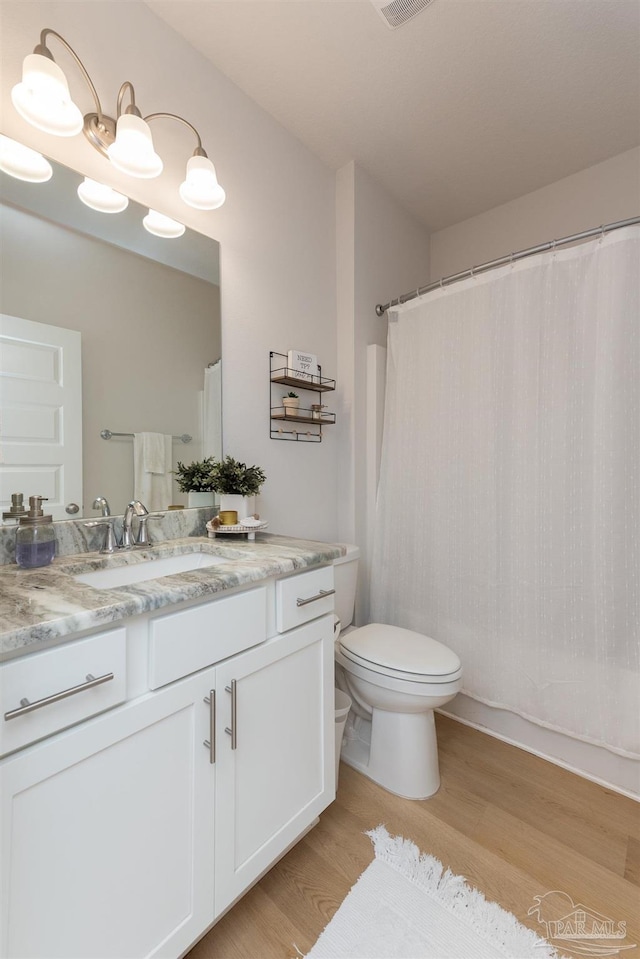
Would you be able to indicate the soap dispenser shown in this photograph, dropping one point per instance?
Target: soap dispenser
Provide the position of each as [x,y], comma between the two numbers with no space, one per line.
[35,536]
[17,507]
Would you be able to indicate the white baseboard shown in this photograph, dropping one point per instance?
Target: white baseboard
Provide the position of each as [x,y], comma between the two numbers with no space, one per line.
[618,773]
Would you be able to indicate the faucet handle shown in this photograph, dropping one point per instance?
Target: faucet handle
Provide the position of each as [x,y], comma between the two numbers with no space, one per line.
[143,538]
[110,544]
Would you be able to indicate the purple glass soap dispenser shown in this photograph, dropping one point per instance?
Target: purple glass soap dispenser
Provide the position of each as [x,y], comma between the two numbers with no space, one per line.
[35,536]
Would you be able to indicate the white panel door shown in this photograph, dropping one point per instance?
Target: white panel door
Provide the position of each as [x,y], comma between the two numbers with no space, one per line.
[40,414]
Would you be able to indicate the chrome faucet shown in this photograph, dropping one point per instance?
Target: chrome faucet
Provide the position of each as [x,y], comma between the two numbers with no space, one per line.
[134,508]
[101,504]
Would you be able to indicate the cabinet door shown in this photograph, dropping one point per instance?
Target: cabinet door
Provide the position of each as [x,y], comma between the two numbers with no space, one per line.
[281,774]
[107,833]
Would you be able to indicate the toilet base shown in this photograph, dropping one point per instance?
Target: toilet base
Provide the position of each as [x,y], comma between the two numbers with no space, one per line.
[404,757]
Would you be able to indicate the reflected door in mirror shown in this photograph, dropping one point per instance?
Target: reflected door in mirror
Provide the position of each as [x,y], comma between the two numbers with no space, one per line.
[40,413]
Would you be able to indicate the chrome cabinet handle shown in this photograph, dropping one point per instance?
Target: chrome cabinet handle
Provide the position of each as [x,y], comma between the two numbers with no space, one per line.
[210,743]
[27,707]
[312,599]
[233,731]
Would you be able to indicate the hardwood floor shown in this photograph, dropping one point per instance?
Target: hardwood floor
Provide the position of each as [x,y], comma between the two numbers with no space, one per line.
[514,825]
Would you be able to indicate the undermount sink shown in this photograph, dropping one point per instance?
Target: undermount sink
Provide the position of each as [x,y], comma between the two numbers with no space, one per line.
[150,569]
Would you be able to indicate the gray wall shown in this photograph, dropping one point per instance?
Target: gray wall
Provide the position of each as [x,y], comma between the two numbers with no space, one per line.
[600,194]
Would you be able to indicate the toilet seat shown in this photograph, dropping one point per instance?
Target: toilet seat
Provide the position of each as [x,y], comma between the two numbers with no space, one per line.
[400,653]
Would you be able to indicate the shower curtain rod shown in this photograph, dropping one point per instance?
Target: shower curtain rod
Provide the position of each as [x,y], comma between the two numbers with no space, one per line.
[510,258]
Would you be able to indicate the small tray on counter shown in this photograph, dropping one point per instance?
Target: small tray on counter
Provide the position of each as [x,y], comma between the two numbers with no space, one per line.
[237,528]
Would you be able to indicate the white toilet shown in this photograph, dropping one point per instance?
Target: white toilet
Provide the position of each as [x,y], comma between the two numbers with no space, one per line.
[396,678]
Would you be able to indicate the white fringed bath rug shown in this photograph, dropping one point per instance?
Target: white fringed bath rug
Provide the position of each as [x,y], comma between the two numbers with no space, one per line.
[405,905]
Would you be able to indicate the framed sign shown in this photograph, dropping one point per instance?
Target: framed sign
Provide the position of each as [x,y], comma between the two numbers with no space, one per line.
[302,365]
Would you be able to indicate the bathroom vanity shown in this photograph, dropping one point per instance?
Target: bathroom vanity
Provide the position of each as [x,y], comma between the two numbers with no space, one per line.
[164,742]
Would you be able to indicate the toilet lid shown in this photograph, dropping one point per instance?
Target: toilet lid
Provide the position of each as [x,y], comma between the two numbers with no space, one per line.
[400,649]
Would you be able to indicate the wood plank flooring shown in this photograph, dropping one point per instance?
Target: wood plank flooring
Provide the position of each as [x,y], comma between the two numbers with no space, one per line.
[514,825]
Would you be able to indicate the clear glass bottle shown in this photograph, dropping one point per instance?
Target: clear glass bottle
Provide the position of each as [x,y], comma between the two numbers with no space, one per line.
[35,536]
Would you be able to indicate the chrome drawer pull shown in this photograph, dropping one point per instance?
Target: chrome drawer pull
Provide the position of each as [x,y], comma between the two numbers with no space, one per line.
[312,599]
[233,731]
[210,743]
[27,707]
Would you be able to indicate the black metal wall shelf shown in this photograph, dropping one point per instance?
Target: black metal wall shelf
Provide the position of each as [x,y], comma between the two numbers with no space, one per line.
[314,415]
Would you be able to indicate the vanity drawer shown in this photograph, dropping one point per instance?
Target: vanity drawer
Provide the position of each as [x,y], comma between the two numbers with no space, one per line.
[300,598]
[63,686]
[184,642]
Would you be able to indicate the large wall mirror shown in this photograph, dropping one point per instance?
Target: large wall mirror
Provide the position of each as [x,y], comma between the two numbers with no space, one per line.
[147,311]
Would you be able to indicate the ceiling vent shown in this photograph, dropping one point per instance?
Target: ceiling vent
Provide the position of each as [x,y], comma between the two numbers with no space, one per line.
[398,12]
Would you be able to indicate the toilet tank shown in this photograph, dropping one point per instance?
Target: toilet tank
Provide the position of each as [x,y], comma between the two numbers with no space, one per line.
[345,575]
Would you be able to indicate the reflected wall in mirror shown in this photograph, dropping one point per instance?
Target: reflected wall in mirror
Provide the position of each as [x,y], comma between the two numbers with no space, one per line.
[148,312]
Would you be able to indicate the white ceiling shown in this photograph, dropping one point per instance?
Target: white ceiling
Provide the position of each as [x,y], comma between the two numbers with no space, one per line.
[468,105]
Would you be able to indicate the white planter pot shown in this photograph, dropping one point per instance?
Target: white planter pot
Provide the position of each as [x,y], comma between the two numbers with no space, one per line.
[200,499]
[243,505]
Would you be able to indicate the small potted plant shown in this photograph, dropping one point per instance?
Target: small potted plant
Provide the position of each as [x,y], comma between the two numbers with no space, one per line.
[291,402]
[195,480]
[237,484]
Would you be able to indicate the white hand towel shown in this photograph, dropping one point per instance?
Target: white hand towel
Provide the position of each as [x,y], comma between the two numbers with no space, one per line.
[152,448]
[152,456]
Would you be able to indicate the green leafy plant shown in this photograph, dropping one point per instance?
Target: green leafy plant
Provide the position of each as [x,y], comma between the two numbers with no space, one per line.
[230,476]
[294,396]
[195,477]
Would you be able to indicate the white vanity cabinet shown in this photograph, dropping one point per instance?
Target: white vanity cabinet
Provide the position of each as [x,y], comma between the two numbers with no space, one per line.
[129,833]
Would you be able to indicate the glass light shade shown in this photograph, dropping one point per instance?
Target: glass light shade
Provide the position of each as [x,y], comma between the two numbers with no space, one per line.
[43,98]
[163,226]
[132,150]
[101,198]
[201,189]
[22,162]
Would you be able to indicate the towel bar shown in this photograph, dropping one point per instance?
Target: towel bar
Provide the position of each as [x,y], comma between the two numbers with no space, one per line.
[107,434]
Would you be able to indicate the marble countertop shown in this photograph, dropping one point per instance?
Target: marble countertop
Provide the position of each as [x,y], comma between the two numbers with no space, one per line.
[42,606]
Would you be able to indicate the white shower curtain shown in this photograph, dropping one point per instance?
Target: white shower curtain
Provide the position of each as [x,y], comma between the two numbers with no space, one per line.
[212,411]
[508,512]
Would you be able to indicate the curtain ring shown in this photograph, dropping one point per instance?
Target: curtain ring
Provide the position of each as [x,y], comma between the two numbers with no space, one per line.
[442,283]
[511,260]
[602,233]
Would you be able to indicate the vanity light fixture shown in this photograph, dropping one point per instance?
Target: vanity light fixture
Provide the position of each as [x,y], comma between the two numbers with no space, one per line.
[22,162]
[43,99]
[100,197]
[201,188]
[162,226]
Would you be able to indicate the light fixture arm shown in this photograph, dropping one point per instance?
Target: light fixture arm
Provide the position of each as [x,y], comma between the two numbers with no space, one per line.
[132,108]
[99,129]
[199,151]
[43,50]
